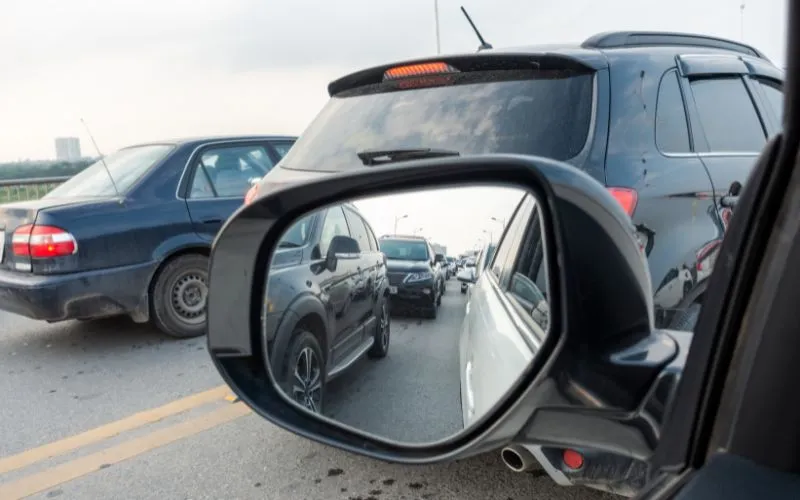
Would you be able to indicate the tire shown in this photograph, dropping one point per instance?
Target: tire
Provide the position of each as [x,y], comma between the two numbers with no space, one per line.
[434,310]
[686,319]
[439,299]
[180,293]
[304,347]
[463,291]
[382,334]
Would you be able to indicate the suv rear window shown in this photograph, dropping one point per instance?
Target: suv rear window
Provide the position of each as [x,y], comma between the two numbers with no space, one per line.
[544,113]
[405,249]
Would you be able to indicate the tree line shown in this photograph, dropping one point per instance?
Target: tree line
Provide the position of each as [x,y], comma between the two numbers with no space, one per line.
[37,169]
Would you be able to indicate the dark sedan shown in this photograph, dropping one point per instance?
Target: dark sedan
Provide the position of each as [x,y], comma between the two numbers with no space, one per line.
[131,233]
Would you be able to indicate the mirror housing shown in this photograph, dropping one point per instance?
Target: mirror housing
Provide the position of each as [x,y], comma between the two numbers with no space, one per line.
[599,377]
[438,258]
[466,276]
[339,246]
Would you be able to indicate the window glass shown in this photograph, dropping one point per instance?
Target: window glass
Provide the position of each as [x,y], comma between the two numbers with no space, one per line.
[201,188]
[405,249]
[125,166]
[334,225]
[728,116]
[672,131]
[357,229]
[774,96]
[373,242]
[528,285]
[476,112]
[509,245]
[297,234]
[282,147]
[233,169]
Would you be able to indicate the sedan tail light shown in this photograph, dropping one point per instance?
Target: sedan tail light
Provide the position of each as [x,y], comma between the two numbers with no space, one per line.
[42,242]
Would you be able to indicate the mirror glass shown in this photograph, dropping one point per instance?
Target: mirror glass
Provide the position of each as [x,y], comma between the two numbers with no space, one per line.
[411,315]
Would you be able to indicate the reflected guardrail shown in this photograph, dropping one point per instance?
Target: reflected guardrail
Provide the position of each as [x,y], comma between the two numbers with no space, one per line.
[28,189]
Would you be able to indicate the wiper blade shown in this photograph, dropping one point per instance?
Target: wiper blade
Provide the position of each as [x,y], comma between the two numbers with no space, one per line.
[371,157]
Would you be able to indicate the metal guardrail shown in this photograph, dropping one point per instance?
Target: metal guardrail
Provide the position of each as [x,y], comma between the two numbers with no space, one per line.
[28,189]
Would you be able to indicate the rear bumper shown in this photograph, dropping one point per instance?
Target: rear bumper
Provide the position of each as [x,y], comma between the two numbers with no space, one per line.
[90,294]
[609,472]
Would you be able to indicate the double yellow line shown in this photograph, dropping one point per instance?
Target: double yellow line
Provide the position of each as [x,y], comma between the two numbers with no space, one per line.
[49,478]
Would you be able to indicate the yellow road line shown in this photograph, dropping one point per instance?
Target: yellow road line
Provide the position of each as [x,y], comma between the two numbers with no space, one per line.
[74,469]
[34,455]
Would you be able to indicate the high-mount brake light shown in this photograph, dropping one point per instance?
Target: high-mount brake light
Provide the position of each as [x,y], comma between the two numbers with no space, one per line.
[411,70]
[42,242]
[628,198]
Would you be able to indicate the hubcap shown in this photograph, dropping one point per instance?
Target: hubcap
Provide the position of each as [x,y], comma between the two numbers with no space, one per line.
[307,386]
[189,296]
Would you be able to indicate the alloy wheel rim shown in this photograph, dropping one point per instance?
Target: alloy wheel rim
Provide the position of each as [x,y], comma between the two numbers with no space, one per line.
[307,380]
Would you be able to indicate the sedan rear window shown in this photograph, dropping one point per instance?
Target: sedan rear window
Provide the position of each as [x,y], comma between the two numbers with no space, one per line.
[126,166]
[544,113]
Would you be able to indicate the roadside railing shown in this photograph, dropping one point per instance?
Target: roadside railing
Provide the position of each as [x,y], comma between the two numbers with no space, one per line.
[28,189]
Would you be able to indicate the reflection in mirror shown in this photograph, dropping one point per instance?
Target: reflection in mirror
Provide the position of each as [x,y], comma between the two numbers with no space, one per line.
[364,324]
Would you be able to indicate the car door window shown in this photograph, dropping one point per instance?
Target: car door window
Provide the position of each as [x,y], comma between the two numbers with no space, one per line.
[335,225]
[357,229]
[228,171]
[282,147]
[507,251]
[528,287]
[728,116]
[373,242]
[672,130]
[774,94]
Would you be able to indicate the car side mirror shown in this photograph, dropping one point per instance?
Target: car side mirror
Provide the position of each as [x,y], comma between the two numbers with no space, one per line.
[339,247]
[586,370]
[438,259]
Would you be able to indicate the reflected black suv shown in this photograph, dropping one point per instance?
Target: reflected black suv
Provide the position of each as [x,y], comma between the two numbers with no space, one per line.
[668,122]
[415,281]
[326,304]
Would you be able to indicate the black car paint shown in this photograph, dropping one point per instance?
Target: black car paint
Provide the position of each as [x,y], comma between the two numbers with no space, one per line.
[340,306]
[412,295]
[678,194]
[122,241]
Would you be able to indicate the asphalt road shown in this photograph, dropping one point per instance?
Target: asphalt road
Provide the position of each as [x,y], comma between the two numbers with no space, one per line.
[110,409]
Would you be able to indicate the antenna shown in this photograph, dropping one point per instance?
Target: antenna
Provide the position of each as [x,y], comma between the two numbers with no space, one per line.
[484,45]
[102,159]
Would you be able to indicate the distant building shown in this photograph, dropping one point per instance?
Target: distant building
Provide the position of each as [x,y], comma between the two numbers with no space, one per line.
[68,149]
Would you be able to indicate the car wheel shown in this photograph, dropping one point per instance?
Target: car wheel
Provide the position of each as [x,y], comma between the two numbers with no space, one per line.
[463,291]
[439,298]
[180,293]
[382,331]
[686,319]
[303,379]
[434,310]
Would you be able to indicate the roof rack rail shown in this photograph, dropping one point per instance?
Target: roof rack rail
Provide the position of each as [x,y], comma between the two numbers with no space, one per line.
[403,236]
[617,39]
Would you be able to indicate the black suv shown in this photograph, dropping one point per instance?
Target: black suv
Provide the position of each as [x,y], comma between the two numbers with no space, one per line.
[667,121]
[415,280]
[326,303]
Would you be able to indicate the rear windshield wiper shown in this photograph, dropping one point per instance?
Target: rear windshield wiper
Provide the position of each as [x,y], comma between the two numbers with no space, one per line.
[381,156]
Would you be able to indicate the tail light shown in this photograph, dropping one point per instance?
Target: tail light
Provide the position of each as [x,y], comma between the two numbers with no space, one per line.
[42,242]
[706,256]
[626,197]
[251,193]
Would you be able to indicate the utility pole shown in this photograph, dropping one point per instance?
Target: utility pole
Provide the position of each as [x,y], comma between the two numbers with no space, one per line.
[436,18]
[396,220]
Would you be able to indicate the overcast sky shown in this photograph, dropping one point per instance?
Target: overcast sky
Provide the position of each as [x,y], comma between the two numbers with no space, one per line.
[141,70]
[456,217]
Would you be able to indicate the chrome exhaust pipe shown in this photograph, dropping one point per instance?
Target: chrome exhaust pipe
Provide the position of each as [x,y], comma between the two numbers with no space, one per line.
[518,458]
